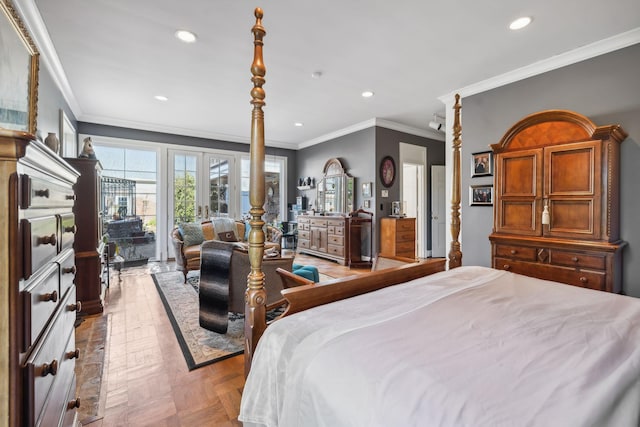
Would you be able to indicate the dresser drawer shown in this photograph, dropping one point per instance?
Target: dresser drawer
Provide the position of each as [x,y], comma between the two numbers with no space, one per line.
[577,260]
[67,231]
[303,220]
[40,242]
[305,227]
[303,243]
[406,247]
[405,225]
[406,236]
[335,240]
[41,193]
[67,271]
[304,234]
[335,222]
[40,299]
[335,250]
[50,361]
[516,252]
[316,222]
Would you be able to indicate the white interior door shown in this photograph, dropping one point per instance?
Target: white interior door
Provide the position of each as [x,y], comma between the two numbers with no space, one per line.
[413,185]
[438,212]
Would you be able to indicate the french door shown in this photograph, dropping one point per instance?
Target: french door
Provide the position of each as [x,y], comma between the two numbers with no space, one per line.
[201,186]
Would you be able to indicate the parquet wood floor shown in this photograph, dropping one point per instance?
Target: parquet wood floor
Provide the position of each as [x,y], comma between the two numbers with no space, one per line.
[145,378]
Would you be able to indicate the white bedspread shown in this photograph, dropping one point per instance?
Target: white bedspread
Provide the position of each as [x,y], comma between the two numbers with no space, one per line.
[468,347]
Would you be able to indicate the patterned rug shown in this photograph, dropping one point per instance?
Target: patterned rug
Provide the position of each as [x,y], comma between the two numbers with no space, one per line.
[200,346]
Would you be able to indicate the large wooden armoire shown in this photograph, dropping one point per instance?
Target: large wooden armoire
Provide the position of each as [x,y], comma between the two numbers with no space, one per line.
[556,207]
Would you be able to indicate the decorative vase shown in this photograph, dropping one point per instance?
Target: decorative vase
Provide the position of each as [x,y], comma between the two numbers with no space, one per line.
[52,142]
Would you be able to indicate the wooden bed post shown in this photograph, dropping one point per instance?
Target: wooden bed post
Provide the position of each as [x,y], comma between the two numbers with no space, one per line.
[255,321]
[455,254]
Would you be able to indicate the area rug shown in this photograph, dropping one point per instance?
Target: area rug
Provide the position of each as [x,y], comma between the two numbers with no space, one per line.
[200,346]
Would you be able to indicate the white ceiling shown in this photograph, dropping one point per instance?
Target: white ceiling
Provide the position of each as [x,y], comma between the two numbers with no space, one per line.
[113,56]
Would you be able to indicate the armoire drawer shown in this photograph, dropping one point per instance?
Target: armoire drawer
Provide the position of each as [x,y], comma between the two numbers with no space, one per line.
[40,299]
[51,361]
[577,259]
[516,252]
[40,242]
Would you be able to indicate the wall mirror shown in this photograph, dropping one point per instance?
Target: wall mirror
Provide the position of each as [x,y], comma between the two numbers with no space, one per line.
[19,71]
[335,189]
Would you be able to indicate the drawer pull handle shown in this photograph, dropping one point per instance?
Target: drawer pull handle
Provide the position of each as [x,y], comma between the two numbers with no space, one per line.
[75,307]
[73,354]
[50,368]
[42,193]
[506,267]
[47,240]
[70,197]
[68,270]
[574,259]
[513,252]
[584,279]
[71,229]
[53,296]
[74,404]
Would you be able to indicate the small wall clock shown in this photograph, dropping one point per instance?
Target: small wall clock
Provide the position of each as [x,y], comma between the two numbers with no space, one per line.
[387,171]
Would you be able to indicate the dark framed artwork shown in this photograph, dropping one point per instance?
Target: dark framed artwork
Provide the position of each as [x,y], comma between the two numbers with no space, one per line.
[387,171]
[482,164]
[481,195]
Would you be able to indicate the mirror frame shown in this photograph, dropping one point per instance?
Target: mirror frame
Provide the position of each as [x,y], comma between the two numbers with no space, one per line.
[26,84]
[333,168]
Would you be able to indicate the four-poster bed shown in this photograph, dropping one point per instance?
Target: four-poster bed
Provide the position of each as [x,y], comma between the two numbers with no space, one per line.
[421,346]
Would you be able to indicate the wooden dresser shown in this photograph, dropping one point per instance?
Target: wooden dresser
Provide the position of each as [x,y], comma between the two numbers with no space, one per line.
[38,296]
[324,236]
[89,252]
[556,208]
[398,237]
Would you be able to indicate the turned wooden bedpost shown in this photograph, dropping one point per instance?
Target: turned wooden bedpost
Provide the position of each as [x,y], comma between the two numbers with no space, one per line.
[455,254]
[256,296]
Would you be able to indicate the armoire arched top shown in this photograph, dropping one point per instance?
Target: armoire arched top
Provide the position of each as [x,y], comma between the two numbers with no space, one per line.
[552,127]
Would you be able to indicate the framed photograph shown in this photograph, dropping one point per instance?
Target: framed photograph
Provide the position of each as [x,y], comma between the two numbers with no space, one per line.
[68,144]
[366,190]
[19,71]
[387,171]
[481,195]
[482,164]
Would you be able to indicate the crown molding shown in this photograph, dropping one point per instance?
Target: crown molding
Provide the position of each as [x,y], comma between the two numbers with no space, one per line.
[48,55]
[592,50]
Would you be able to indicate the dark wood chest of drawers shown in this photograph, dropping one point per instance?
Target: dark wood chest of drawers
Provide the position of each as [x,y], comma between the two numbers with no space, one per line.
[38,303]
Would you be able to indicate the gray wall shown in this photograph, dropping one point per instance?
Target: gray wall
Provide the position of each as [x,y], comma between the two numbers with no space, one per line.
[50,102]
[606,89]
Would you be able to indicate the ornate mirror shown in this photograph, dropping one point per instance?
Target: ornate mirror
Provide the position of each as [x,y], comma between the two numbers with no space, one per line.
[19,71]
[335,189]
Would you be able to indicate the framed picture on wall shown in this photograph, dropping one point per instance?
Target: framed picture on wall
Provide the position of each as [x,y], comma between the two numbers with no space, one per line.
[481,195]
[482,164]
[366,190]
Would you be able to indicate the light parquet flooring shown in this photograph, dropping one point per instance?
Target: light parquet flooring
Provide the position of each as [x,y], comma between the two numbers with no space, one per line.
[145,378]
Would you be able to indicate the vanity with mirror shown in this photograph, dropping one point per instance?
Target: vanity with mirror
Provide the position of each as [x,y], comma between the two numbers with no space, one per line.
[326,233]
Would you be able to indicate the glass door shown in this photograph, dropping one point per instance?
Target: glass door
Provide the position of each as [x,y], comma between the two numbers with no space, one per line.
[200,186]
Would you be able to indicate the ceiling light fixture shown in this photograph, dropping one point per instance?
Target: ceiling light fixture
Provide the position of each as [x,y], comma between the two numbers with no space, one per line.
[185,36]
[367,94]
[316,74]
[161,98]
[298,124]
[436,123]
[520,23]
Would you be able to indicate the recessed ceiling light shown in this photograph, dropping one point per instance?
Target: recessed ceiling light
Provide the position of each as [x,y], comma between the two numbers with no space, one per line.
[298,124]
[185,36]
[316,74]
[367,94]
[161,98]
[520,23]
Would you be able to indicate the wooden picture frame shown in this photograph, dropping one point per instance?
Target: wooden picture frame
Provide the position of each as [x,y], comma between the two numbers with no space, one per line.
[481,195]
[19,71]
[482,164]
[387,171]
